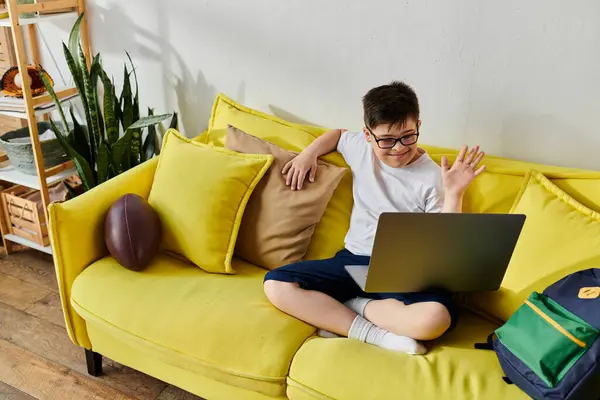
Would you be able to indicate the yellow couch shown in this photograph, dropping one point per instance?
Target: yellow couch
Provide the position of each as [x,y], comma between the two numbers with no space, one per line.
[217,335]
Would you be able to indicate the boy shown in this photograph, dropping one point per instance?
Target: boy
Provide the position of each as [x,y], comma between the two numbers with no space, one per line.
[391,173]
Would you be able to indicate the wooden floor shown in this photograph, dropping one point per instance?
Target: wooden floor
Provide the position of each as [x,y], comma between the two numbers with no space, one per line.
[37,359]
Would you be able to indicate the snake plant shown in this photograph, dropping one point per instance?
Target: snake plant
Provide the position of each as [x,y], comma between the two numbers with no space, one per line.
[111,140]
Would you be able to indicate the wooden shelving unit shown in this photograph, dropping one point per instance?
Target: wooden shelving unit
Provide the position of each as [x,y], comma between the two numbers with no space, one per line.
[8,59]
[48,10]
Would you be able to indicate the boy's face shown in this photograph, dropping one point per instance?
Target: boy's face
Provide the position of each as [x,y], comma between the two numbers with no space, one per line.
[401,154]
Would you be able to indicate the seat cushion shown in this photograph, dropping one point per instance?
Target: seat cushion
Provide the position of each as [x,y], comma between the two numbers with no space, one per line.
[453,369]
[220,326]
[200,193]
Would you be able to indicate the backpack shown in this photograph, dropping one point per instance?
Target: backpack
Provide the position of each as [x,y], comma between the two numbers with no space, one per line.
[550,347]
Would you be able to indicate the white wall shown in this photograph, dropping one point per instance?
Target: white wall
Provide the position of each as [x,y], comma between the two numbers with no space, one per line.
[521,78]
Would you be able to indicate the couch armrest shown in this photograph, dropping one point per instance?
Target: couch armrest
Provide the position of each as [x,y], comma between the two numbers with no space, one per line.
[77,235]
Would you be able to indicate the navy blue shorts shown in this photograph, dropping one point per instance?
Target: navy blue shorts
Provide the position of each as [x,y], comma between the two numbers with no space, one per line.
[330,277]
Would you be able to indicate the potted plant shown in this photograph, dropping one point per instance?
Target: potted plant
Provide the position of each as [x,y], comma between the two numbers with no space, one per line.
[111,140]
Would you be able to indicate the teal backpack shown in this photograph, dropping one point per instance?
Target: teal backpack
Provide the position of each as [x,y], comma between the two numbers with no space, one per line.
[550,347]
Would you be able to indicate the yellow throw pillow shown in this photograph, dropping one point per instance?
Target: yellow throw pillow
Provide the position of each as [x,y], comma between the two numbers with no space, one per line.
[273,129]
[200,193]
[560,236]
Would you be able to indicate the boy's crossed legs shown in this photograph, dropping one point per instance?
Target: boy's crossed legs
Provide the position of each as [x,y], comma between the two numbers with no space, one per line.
[313,291]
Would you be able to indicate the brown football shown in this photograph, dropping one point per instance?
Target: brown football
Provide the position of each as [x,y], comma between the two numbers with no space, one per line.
[132,232]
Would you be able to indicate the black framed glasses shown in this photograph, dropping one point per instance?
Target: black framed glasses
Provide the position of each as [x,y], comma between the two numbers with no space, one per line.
[390,143]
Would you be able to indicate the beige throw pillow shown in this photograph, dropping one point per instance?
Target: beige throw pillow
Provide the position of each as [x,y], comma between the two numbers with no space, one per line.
[278,223]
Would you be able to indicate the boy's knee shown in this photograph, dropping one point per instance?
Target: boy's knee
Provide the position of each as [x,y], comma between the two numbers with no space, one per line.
[433,321]
[277,291]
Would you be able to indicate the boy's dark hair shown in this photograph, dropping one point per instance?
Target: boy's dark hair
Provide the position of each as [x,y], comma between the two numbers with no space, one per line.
[390,104]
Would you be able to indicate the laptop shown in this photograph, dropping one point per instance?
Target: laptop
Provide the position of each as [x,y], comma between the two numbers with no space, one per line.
[415,252]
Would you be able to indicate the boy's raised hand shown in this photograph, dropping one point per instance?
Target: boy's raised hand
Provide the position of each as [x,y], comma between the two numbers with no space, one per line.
[302,166]
[464,170]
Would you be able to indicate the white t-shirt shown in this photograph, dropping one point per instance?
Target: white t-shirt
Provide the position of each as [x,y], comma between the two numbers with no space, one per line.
[379,188]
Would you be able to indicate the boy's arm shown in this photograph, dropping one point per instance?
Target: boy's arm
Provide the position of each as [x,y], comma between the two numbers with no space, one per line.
[324,144]
[452,203]
[305,163]
[459,176]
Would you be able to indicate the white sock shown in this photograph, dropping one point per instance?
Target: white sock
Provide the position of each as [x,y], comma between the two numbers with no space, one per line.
[365,331]
[326,334]
[358,305]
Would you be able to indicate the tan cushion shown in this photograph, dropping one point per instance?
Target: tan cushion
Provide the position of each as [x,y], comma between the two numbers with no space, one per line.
[278,223]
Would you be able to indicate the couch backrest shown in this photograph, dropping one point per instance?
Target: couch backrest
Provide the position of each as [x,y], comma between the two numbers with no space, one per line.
[493,192]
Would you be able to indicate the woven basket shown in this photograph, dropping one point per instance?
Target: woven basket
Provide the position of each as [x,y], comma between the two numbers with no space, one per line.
[20,155]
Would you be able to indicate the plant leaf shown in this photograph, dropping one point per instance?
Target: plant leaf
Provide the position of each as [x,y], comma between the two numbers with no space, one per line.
[92,108]
[74,35]
[160,131]
[136,97]
[52,94]
[149,147]
[136,138]
[111,167]
[136,147]
[120,152]
[83,168]
[80,141]
[103,162]
[95,72]
[126,101]
[134,73]
[76,73]
[174,123]
[117,107]
[78,76]
[136,141]
[112,124]
[145,122]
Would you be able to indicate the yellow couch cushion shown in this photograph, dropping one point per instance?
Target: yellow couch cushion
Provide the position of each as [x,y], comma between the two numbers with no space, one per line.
[220,326]
[270,128]
[560,236]
[200,193]
[329,234]
[453,369]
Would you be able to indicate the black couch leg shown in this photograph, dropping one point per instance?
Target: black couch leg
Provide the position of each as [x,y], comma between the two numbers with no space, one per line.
[94,362]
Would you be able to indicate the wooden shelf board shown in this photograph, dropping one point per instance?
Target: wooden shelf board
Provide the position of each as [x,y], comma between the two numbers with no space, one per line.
[10,174]
[38,112]
[28,243]
[60,93]
[39,19]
